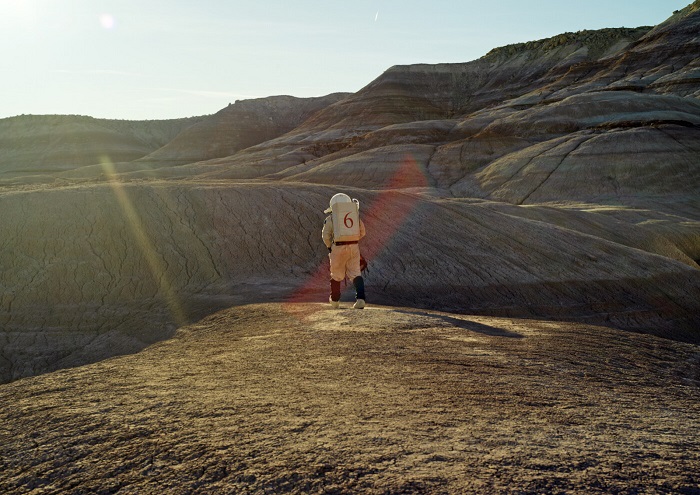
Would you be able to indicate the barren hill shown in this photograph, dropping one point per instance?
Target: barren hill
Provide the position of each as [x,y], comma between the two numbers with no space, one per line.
[299,398]
[239,126]
[36,147]
[533,238]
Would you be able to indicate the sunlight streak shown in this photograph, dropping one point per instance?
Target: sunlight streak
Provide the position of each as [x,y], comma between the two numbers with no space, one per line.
[153,259]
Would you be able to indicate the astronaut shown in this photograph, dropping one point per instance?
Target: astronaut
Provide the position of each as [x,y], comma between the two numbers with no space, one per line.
[342,230]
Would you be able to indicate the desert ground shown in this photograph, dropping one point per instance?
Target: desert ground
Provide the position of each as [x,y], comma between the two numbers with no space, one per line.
[301,398]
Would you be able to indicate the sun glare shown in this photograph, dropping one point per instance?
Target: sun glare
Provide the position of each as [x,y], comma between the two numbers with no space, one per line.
[107,21]
[13,11]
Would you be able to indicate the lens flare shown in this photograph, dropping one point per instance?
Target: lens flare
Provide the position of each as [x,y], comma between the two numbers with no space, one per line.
[155,263]
[107,21]
[393,200]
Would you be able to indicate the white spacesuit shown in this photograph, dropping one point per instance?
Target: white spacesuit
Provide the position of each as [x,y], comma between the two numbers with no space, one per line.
[342,230]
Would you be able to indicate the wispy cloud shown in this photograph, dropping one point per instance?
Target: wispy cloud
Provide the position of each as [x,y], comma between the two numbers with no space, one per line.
[98,72]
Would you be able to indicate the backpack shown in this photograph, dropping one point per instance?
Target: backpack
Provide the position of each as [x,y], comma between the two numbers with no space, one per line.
[346,222]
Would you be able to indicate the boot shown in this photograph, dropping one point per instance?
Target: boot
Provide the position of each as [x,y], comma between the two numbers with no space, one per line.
[359,284]
[334,299]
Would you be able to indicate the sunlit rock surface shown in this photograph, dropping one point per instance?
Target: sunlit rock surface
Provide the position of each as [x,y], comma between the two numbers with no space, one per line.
[300,398]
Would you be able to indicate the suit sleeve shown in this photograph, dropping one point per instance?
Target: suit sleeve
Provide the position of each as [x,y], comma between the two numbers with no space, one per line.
[327,232]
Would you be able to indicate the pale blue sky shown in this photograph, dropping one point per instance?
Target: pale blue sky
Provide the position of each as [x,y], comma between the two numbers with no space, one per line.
[153,59]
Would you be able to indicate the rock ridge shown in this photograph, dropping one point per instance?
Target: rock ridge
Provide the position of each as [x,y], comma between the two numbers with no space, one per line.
[240,125]
[598,42]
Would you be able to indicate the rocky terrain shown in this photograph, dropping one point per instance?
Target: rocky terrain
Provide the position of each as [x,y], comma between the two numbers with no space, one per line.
[114,286]
[548,190]
[299,398]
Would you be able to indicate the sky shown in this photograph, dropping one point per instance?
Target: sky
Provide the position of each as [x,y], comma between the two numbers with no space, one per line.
[163,59]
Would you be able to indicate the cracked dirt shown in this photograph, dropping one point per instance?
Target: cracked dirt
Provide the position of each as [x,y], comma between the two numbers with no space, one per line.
[298,398]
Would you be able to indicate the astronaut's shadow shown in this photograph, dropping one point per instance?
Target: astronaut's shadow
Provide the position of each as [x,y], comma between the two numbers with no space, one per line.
[472,326]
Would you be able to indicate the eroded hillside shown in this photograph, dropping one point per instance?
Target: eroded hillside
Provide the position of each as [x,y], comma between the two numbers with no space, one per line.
[111,268]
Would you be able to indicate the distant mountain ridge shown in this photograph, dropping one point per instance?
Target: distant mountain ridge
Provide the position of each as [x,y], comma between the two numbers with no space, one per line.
[45,144]
[240,125]
[533,72]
